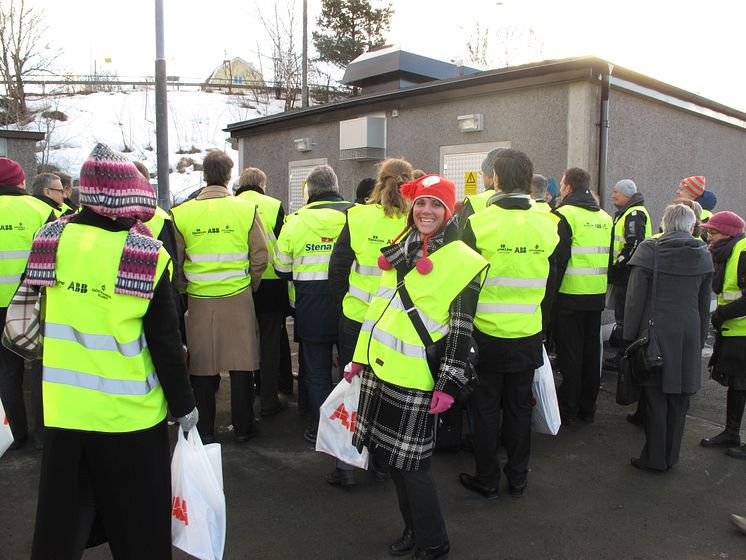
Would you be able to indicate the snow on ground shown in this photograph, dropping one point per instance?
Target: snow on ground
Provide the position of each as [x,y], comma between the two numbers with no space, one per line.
[125,120]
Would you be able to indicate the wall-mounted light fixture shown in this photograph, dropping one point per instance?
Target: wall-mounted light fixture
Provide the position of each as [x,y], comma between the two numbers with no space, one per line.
[471,123]
[303,144]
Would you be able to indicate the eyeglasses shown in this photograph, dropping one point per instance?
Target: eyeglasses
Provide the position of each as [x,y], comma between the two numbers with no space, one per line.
[55,190]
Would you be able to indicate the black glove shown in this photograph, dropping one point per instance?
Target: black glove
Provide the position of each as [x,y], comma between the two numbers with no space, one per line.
[717,319]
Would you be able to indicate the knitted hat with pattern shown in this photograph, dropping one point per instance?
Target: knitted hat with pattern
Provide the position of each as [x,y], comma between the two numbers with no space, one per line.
[694,185]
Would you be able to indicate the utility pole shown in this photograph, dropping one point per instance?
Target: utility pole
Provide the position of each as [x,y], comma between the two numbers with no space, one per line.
[161,111]
[304,89]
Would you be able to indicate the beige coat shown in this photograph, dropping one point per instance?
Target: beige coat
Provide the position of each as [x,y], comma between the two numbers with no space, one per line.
[222,332]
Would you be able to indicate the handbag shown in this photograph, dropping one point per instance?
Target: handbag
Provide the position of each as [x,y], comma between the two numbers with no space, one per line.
[627,391]
[434,351]
[337,419]
[545,413]
[645,353]
[197,500]
[22,334]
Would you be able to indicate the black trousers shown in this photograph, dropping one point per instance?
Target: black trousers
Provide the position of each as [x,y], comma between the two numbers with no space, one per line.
[286,364]
[664,427]
[242,402]
[511,393]
[578,345]
[123,480]
[11,387]
[418,504]
[270,330]
[349,331]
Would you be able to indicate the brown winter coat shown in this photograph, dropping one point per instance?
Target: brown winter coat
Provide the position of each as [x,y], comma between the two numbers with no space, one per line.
[222,332]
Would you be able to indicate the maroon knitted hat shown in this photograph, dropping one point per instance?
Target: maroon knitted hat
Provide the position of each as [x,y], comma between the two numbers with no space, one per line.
[11,174]
[727,223]
[111,185]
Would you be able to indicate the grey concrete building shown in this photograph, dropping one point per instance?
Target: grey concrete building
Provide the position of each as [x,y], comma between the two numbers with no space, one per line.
[581,112]
[20,146]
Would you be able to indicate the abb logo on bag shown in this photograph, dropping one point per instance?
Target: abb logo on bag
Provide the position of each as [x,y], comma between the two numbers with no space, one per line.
[179,510]
[348,420]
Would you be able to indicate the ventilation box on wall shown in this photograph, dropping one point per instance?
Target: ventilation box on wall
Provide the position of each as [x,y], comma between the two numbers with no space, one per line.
[362,138]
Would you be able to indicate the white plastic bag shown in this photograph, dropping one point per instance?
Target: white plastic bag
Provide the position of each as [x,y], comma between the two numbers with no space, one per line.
[338,416]
[197,501]
[545,416]
[6,435]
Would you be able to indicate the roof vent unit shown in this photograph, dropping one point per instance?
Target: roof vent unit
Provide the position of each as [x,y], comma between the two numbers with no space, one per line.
[363,138]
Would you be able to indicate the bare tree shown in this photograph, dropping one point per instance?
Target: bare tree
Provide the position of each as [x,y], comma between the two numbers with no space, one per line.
[24,52]
[282,31]
[478,46]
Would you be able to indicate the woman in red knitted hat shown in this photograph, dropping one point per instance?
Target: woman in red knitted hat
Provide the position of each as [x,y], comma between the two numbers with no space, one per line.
[414,348]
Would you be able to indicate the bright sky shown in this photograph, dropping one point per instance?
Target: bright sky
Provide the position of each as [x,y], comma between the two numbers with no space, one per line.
[696,45]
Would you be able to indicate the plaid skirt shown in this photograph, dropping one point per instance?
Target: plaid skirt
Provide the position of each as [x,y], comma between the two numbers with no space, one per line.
[395,421]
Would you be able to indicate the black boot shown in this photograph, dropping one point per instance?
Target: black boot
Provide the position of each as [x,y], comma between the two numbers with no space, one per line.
[403,545]
[733,415]
[737,452]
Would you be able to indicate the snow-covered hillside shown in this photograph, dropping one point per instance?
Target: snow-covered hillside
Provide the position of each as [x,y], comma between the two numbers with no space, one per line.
[126,121]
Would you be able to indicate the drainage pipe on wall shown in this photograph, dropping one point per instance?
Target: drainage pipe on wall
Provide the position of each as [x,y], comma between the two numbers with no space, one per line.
[603,144]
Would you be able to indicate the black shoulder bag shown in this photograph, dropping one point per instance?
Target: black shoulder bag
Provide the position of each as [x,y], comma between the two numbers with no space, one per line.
[434,351]
[644,353]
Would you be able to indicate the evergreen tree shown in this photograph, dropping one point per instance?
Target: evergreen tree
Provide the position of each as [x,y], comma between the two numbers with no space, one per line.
[348,28]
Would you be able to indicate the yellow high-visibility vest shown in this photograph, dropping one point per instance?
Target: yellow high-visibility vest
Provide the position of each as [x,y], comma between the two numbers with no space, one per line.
[21,217]
[269,210]
[587,269]
[216,234]
[731,292]
[388,341]
[370,231]
[619,229]
[517,244]
[97,371]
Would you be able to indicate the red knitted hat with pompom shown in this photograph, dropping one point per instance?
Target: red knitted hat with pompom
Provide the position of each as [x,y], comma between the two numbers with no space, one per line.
[435,187]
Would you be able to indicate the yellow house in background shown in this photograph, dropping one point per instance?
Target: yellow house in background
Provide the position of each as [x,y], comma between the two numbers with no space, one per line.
[235,72]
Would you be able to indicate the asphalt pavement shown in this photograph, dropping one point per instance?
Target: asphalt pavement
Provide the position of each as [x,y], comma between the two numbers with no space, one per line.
[583,501]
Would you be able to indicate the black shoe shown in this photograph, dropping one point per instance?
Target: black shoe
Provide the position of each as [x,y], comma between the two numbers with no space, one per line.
[281,405]
[404,545]
[243,438]
[737,452]
[432,552]
[309,434]
[723,439]
[517,491]
[639,465]
[340,477]
[18,443]
[473,483]
[635,420]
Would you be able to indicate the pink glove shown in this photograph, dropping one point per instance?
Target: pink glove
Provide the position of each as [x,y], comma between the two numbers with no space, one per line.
[351,370]
[441,402]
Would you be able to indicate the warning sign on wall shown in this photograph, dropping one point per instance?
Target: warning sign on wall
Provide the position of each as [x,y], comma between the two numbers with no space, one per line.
[470,183]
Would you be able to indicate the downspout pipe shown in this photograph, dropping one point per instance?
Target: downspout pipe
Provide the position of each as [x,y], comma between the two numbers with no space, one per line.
[603,143]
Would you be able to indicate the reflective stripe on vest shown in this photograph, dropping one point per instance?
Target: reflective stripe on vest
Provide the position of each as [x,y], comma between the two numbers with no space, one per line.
[97,372]
[517,244]
[732,291]
[24,215]
[216,233]
[619,223]
[370,230]
[269,211]
[307,239]
[389,342]
[589,255]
